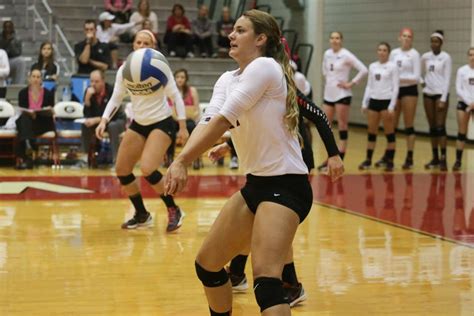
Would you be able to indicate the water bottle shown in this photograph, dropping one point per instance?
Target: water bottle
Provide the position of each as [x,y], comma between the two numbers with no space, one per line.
[66,94]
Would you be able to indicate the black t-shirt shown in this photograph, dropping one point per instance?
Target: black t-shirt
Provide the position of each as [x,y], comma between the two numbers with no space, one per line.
[96,109]
[48,70]
[99,52]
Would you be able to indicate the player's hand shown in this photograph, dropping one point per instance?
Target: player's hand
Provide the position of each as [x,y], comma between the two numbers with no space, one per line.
[335,167]
[176,177]
[345,85]
[182,136]
[218,152]
[363,110]
[100,130]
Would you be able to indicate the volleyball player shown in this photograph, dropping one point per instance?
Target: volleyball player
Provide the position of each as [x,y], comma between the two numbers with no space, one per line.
[465,108]
[379,102]
[436,66]
[259,101]
[147,139]
[337,65]
[408,61]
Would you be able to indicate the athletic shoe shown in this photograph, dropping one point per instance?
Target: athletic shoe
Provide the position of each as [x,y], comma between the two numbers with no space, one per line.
[323,167]
[434,163]
[172,53]
[138,221]
[239,282]
[234,163]
[408,164]
[381,163]
[365,165]
[294,294]
[175,218]
[457,166]
[389,166]
[443,165]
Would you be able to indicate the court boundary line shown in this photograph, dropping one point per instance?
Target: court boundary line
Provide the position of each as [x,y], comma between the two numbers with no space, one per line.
[411,229]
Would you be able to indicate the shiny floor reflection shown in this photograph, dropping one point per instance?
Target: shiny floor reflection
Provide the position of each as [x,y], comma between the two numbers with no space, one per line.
[439,204]
[59,257]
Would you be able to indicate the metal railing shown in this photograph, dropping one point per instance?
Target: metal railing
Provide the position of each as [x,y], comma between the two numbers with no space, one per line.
[59,35]
[47,28]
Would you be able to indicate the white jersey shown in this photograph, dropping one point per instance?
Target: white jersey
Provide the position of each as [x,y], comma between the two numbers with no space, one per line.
[408,62]
[301,83]
[4,67]
[254,102]
[336,69]
[147,109]
[465,84]
[437,70]
[114,30]
[382,84]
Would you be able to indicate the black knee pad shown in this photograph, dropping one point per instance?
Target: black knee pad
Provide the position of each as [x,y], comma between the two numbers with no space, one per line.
[440,131]
[154,177]
[433,132]
[124,180]
[269,292]
[343,135]
[372,137]
[409,131]
[390,138]
[213,313]
[461,137]
[211,279]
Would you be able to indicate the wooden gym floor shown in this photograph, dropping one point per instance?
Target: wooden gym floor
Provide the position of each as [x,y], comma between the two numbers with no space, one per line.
[374,243]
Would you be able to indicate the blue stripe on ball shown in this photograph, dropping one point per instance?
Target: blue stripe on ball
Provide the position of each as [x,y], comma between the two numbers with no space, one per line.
[148,70]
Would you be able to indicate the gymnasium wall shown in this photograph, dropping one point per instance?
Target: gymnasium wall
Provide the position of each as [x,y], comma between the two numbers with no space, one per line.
[364,23]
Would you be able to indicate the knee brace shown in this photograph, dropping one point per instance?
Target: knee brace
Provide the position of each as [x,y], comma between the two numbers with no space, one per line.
[440,131]
[461,137]
[269,292]
[124,180]
[211,279]
[154,177]
[372,137]
[390,138]
[409,131]
[343,135]
[433,132]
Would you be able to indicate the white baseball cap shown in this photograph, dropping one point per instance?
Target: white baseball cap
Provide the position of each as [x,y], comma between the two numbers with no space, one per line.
[106,16]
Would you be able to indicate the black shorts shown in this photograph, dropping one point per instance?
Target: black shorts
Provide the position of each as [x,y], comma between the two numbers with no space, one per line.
[345,101]
[168,126]
[462,106]
[433,97]
[290,190]
[378,105]
[408,91]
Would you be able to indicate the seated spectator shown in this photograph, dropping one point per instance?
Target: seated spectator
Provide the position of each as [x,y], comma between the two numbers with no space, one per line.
[95,100]
[13,47]
[146,25]
[4,72]
[178,33]
[91,54]
[224,27]
[143,14]
[36,118]
[49,68]
[120,8]
[191,102]
[108,32]
[202,28]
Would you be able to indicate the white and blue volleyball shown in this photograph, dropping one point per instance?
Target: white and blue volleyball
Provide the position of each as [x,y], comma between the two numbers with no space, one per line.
[146,71]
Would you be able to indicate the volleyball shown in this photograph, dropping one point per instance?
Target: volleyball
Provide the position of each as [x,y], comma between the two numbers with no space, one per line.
[146,71]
